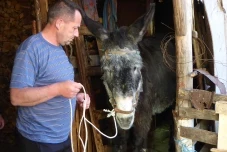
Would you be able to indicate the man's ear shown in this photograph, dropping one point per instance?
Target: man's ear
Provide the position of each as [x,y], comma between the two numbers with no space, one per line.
[59,23]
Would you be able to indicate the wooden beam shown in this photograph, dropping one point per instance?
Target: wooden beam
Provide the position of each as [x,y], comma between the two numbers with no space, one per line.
[94,71]
[41,8]
[38,15]
[183,36]
[43,12]
[186,94]
[221,109]
[180,14]
[192,113]
[195,134]
[217,150]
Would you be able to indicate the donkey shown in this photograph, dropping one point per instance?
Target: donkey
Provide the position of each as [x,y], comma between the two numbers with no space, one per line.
[138,83]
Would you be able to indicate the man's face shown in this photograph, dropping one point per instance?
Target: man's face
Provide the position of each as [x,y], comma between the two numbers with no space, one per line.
[69,30]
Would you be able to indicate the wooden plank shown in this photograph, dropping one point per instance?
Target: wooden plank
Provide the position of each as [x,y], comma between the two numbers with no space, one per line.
[192,113]
[217,150]
[203,124]
[43,12]
[221,109]
[38,15]
[186,94]
[184,63]
[195,134]
[94,71]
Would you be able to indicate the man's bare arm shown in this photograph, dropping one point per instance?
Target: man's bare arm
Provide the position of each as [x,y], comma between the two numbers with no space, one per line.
[36,95]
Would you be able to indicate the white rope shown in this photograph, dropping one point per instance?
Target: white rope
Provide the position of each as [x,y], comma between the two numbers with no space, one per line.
[84,119]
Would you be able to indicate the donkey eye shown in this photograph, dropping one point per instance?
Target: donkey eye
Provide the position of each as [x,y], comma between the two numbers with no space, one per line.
[135,69]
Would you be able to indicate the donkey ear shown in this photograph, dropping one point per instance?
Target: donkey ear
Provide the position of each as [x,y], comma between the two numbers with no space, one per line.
[96,28]
[139,27]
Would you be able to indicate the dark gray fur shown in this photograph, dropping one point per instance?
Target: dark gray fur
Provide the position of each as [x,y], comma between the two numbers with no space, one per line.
[127,62]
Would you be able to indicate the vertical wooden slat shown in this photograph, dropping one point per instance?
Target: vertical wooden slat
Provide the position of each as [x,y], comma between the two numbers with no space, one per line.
[43,12]
[183,37]
[82,63]
[82,66]
[38,16]
[221,109]
[41,8]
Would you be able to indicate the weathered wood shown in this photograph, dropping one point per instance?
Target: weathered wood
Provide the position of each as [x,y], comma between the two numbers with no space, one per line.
[38,15]
[183,37]
[43,12]
[180,15]
[203,124]
[34,30]
[82,65]
[217,150]
[221,109]
[199,135]
[186,94]
[192,113]
[83,30]
[94,71]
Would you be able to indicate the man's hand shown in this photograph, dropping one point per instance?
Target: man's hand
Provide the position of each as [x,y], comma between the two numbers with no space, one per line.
[69,89]
[81,99]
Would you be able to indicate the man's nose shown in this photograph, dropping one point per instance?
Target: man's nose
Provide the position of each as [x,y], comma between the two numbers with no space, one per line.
[76,33]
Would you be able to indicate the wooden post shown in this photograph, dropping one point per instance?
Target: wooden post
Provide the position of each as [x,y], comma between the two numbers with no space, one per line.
[43,12]
[183,37]
[37,13]
[41,8]
[221,109]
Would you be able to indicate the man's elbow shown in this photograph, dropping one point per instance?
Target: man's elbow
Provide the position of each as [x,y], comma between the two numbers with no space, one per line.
[13,97]
[14,101]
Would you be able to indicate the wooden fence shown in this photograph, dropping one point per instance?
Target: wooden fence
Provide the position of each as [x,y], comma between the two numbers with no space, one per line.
[201,131]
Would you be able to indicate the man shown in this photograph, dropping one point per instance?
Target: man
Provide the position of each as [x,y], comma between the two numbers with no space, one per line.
[42,84]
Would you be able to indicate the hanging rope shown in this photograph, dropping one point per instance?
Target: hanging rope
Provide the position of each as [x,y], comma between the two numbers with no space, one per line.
[109,18]
[85,121]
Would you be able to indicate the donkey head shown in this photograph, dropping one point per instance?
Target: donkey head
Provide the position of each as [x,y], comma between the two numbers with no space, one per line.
[121,65]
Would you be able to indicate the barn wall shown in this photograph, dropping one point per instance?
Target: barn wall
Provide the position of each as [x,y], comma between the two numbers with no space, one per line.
[16,23]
